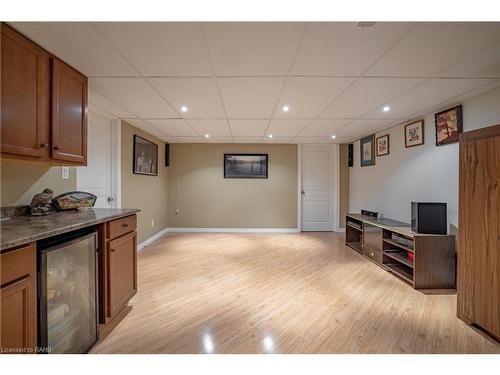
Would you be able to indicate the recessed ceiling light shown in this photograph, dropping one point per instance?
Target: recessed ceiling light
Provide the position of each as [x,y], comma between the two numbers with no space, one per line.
[184,108]
[270,136]
[386,108]
[334,136]
[207,135]
[285,108]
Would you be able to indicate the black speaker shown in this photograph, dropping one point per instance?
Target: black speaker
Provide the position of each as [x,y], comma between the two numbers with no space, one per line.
[167,154]
[350,157]
[428,218]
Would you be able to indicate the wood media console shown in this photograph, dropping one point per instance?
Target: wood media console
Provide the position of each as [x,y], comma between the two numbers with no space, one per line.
[425,261]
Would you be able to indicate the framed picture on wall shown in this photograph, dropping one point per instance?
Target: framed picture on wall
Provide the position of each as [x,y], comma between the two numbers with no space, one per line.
[414,134]
[245,165]
[145,157]
[448,125]
[367,150]
[382,145]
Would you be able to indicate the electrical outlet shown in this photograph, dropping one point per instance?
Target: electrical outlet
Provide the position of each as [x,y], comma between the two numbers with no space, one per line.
[152,223]
[64,173]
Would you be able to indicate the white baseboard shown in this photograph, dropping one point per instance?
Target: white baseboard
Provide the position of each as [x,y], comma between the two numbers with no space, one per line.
[340,230]
[151,239]
[233,230]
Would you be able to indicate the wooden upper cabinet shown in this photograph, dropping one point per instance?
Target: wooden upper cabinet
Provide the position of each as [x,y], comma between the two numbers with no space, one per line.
[69,113]
[44,104]
[25,96]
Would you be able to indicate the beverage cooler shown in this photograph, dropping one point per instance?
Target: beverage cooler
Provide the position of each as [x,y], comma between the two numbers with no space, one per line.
[67,296]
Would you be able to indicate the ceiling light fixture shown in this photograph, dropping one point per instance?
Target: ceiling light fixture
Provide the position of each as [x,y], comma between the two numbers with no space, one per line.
[285,108]
[184,109]
[334,136]
[207,135]
[386,108]
[270,136]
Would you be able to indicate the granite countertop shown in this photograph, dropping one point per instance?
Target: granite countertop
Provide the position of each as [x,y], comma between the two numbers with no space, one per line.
[19,230]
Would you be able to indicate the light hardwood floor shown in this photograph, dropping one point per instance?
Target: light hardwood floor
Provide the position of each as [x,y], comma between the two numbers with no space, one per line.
[280,293]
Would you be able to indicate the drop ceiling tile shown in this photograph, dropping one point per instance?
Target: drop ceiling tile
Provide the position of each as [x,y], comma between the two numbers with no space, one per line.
[161,48]
[102,102]
[484,63]
[80,45]
[168,139]
[199,95]
[279,140]
[287,128]
[366,94]
[174,127]
[314,140]
[144,125]
[363,127]
[431,47]
[253,97]
[324,127]
[189,140]
[220,140]
[308,96]
[341,48]
[248,127]
[134,95]
[425,95]
[247,139]
[215,127]
[252,48]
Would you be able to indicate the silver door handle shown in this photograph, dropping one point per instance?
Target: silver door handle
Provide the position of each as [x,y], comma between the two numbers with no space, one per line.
[111,199]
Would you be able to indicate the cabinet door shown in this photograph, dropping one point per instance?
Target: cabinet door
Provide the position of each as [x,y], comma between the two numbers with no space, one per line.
[25,96]
[18,319]
[69,114]
[122,275]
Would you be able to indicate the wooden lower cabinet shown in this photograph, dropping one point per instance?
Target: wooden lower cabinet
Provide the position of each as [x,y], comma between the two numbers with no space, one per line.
[118,276]
[122,284]
[18,301]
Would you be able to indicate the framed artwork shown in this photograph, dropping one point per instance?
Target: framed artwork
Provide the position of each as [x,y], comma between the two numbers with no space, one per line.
[414,134]
[367,150]
[382,145]
[245,165]
[448,125]
[145,157]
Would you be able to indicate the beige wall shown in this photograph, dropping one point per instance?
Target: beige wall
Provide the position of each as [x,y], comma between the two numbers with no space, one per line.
[344,183]
[197,187]
[20,180]
[148,193]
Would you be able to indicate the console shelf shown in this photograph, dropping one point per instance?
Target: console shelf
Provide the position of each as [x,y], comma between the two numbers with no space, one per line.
[423,261]
[397,256]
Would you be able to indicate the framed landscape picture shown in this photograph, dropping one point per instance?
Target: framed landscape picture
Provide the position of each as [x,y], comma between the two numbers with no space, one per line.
[414,134]
[382,145]
[448,125]
[145,157]
[245,165]
[367,150]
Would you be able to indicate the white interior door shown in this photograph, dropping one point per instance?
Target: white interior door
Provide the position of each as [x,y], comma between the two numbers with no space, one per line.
[319,187]
[96,177]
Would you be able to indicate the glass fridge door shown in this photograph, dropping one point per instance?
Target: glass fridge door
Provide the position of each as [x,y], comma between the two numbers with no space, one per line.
[69,296]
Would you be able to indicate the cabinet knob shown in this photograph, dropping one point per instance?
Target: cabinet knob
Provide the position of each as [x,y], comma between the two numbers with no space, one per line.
[44,145]
[113,250]
[124,225]
[57,147]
